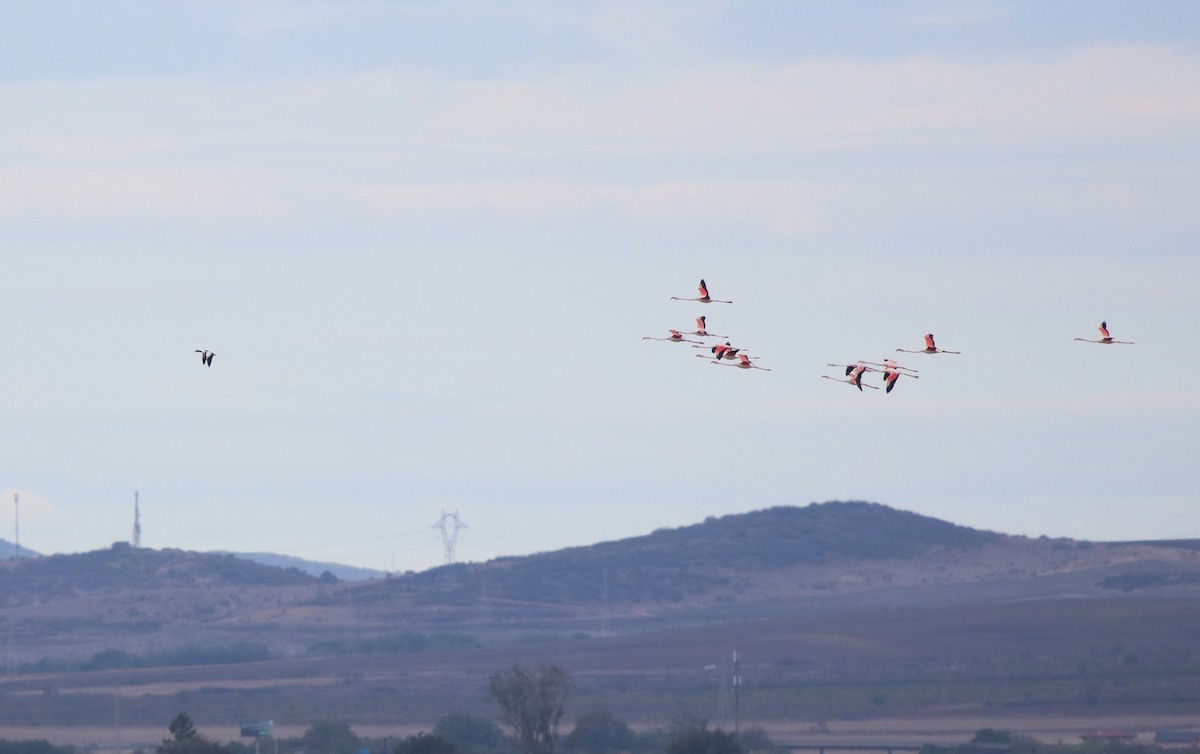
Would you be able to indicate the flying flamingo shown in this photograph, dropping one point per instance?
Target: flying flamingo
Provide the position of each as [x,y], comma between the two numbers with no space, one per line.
[701,325]
[1105,338]
[743,362]
[674,337]
[892,364]
[720,351]
[205,356]
[855,381]
[855,371]
[929,347]
[704,297]
[892,374]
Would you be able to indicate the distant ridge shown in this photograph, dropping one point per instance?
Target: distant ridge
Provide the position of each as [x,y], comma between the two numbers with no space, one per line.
[312,567]
[671,564]
[9,550]
[123,568]
[790,563]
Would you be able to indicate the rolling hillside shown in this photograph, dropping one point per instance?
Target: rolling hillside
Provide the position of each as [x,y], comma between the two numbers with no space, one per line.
[841,608]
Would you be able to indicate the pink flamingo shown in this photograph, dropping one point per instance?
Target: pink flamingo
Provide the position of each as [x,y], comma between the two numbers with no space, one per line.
[855,381]
[891,375]
[704,298]
[743,362]
[1105,338]
[855,372]
[701,324]
[674,337]
[892,364]
[930,347]
[720,351]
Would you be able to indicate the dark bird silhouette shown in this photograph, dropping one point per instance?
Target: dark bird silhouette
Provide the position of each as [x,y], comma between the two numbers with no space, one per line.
[205,357]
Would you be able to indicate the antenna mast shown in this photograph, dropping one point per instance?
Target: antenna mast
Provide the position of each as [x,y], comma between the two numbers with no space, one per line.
[449,528]
[137,522]
[16,525]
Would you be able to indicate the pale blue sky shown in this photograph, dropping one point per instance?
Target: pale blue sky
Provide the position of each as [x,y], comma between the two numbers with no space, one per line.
[426,239]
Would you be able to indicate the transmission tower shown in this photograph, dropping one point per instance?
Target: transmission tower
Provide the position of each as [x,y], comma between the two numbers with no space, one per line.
[449,528]
[137,522]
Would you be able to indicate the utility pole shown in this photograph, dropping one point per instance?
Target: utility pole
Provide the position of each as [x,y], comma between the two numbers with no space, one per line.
[737,689]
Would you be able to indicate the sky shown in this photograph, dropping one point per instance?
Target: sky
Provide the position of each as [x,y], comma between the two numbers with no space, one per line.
[425,241]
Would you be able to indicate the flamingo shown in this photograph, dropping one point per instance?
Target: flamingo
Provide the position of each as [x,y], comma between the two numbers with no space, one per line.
[674,337]
[929,347]
[205,356]
[891,375]
[720,351]
[701,325]
[1105,338]
[892,364]
[855,381]
[855,371]
[743,362]
[703,298]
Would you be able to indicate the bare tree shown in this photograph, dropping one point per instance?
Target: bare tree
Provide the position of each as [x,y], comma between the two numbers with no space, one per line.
[531,703]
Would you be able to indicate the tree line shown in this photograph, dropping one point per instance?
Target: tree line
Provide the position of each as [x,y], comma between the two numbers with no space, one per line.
[532,703]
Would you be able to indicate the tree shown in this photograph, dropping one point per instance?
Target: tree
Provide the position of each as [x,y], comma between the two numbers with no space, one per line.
[182,728]
[185,739]
[469,733]
[599,731]
[531,703]
[330,738]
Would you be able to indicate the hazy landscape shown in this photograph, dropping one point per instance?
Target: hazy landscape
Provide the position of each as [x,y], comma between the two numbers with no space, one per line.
[847,618]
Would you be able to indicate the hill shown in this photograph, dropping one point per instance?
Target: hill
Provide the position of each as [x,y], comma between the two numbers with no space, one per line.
[124,569]
[9,550]
[842,610]
[311,567]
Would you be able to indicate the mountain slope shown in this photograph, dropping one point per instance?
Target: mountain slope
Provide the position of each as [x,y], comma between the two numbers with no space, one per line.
[841,609]
[718,554]
[126,569]
[311,567]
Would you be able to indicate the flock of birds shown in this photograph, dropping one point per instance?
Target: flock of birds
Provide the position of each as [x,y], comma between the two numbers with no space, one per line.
[723,354]
[726,354]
